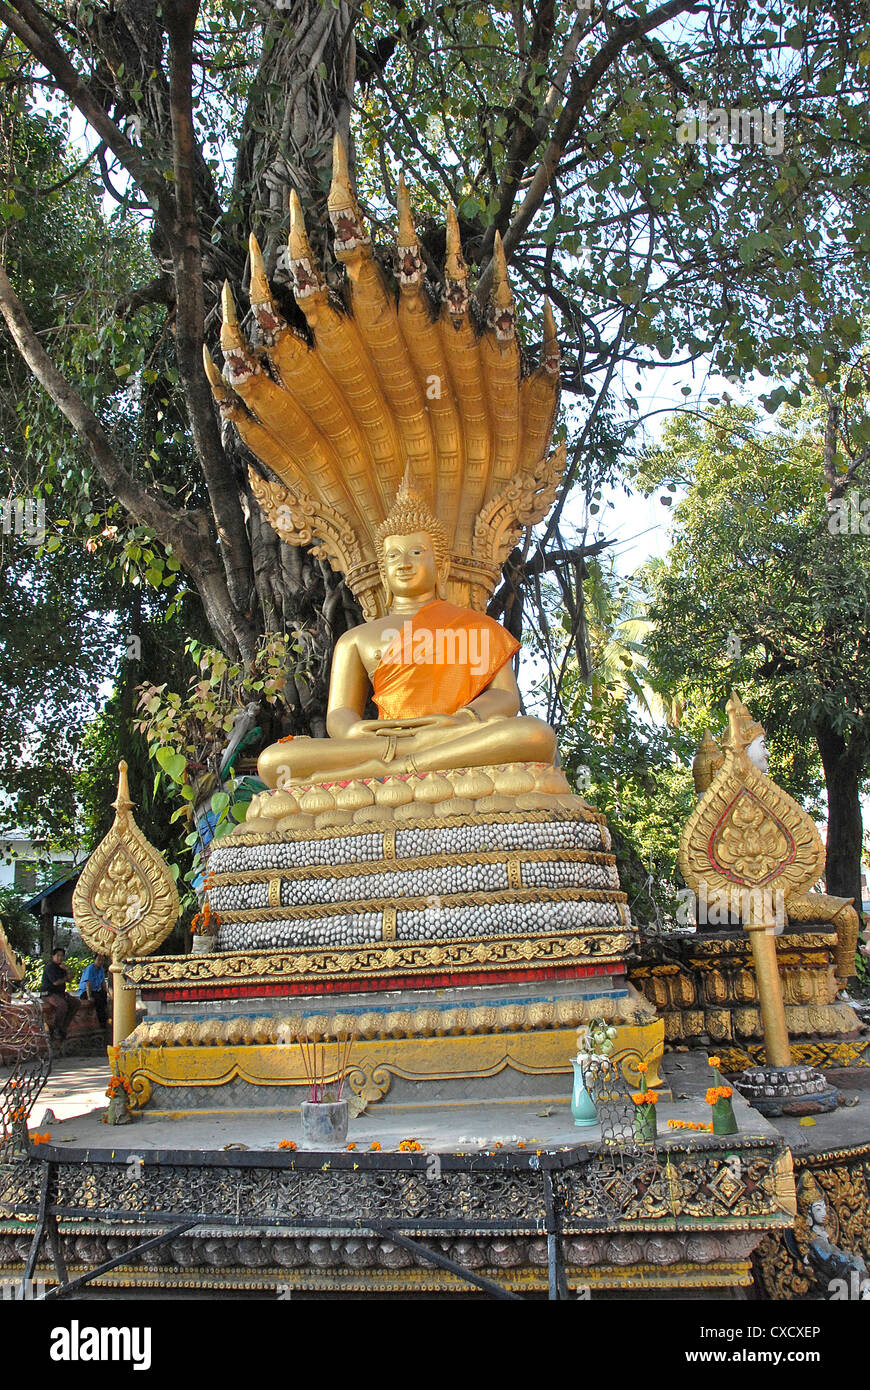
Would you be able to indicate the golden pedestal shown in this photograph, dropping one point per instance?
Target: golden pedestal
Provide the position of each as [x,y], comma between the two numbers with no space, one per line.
[461,945]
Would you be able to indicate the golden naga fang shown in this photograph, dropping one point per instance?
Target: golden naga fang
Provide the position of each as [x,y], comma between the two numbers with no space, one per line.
[386,392]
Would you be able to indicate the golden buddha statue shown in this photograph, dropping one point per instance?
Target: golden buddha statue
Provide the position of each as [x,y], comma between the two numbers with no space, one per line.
[401,437]
[439,674]
[409,448]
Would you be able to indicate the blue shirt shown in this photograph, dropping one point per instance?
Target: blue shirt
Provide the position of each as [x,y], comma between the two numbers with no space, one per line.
[94,975]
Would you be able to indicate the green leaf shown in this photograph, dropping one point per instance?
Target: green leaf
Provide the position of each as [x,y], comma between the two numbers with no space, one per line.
[173,764]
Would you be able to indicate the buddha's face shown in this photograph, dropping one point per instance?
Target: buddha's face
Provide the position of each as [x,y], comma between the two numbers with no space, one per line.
[409,565]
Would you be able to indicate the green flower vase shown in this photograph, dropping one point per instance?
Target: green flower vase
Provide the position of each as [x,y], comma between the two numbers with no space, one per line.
[724,1121]
[582,1104]
[645,1125]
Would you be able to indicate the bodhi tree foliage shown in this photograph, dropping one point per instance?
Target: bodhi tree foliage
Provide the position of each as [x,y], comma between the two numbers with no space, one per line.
[576,131]
[771,577]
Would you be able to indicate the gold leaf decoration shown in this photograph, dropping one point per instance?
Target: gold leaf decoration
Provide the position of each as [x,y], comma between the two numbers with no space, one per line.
[125,903]
[747,833]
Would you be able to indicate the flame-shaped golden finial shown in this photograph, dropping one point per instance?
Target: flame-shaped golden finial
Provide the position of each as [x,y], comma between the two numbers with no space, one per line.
[307,279]
[351,237]
[341,194]
[407,231]
[455,292]
[125,902]
[551,355]
[706,763]
[742,728]
[298,245]
[122,803]
[237,358]
[501,290]
[502,314]
[409,262]
[228,305]
[231,333]
[454,262]
[269,320]
[215,378]
[260,292]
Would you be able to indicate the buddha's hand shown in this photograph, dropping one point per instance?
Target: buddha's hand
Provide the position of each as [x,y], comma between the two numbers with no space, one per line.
[398,728]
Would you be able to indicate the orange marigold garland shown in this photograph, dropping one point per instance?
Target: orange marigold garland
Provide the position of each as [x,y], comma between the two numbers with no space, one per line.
[206,921]
[645,1124]
[719,1100]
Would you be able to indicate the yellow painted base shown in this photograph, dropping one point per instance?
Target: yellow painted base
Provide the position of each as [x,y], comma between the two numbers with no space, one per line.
[374,1063]
[822,1053]
[641,1278]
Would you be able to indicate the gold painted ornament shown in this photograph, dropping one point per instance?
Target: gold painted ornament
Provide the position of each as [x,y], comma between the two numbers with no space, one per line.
[746,833]
[125,903]
[385,390]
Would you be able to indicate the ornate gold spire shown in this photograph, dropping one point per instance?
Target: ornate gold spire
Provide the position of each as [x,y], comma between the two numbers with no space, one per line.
[307,279]
[502,311]
[384,388]
[550,356]
[706,764]
[213,372]
[260,289]
[343,208]
[406,229]
[742,728]
[125,902]
[409,262]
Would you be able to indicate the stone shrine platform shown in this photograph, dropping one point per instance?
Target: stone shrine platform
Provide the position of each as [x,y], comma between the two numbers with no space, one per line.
[508,1193]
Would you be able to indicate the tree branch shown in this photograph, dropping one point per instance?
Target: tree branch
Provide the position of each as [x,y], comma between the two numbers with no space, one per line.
[187,532]
[581,89]
[190,326]
[26,23]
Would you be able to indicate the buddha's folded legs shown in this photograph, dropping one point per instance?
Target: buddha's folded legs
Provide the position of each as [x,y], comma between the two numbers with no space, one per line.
[438,749]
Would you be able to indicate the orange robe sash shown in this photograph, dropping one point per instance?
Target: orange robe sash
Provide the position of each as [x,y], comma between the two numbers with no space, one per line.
[439,661]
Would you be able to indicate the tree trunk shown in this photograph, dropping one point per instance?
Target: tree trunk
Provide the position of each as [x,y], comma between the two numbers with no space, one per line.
[843,765]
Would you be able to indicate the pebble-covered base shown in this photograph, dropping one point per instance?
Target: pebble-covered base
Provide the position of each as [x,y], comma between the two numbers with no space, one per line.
[787,1090]
[503,878]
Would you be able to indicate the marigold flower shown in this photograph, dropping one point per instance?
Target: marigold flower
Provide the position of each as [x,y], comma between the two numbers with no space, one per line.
[726,1092]
[408,1146]
[639,1097]
[712,1095]
[375,1147]
[715,1062]
[643,1067]
[41,1138]
[286,1144]
[351,1147]
[651,1097]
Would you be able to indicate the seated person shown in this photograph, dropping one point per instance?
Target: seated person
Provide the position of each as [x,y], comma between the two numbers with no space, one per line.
[440,676]
[62,1007]
[92,986]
